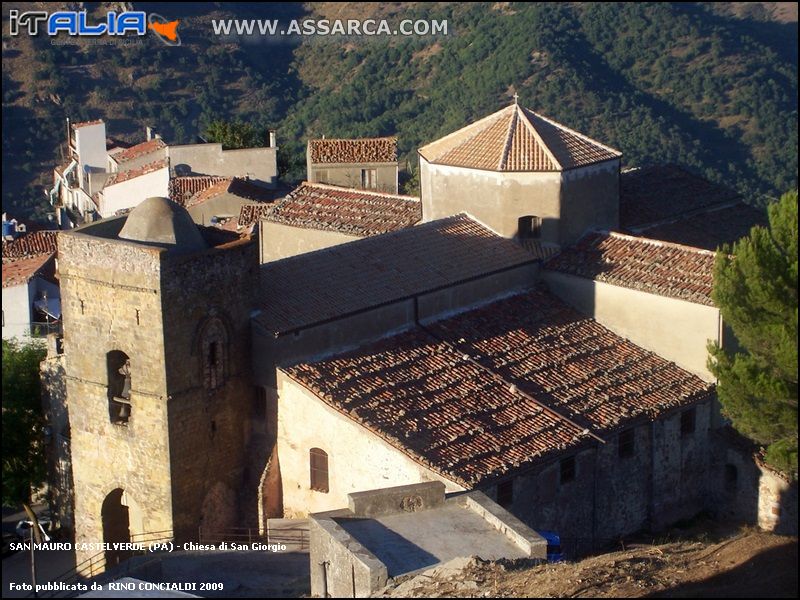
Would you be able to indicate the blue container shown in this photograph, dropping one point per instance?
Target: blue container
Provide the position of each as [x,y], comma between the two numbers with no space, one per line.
[554,553]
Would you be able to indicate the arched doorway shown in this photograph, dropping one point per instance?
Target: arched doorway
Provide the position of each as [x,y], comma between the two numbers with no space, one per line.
[116,527]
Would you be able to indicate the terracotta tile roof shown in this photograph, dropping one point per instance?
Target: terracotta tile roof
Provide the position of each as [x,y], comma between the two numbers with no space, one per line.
[642,264]
[654,194]
[302,290]
[500,388]
[235,186]
[359,150]
[32,243]
[250,214]
[184,187]
[517,139]
[17,271]
[711,228]
[354,212]
[540,250]
[121,176]
[86,123]
[138,150]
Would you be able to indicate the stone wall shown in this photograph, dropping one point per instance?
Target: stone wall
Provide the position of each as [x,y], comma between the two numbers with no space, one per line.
[181,455]
[681,466]
[208,294]
[664,480]
[340,566]
[111,301]
[61,496]
[777,502]
[745,490]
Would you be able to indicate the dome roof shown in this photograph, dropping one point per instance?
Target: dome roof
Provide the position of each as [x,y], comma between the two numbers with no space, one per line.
[161,222]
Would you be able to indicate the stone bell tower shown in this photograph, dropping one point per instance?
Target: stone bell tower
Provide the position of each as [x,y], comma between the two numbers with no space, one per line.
[157,343]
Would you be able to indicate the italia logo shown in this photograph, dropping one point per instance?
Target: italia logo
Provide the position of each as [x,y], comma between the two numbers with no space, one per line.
[76,23]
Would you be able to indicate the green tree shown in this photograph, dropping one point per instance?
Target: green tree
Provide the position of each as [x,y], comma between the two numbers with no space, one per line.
[23,449]
[755,286]
[234,134]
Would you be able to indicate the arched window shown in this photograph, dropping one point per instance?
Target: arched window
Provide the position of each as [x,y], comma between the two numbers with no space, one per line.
[118,366]
[213,353]
[319,470]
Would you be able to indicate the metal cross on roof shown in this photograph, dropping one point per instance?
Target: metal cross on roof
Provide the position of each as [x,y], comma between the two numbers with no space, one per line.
[516,98]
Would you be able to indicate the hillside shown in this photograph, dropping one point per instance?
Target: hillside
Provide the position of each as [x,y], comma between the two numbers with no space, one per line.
[713,88]
[749,564]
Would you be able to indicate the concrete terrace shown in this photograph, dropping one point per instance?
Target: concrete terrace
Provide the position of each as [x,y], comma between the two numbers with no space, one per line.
[409,542]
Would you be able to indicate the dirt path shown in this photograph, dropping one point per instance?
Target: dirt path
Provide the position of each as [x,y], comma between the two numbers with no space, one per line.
[749,564]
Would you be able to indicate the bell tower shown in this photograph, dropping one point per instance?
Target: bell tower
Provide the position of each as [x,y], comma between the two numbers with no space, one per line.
[156,337]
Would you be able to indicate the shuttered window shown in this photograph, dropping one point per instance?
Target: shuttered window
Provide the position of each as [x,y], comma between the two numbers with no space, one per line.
[687,422]
[319,470]
[505,493]
[627,443]
[567,469]
[369,179]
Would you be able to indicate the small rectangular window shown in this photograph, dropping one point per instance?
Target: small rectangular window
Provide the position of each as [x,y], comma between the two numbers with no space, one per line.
[505,493]
[687,422]
[731,478]
[627,443]
[319,470]
[567,469]
[369,179]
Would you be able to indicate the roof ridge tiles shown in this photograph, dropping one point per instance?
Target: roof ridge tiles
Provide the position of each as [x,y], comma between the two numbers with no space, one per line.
[574,132]
[655,242]
[529,143]
[527,123]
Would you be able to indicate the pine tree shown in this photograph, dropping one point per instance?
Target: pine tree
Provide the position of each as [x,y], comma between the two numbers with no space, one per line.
[755,287]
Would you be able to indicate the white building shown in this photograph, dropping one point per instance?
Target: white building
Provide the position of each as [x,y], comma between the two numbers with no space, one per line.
[102,177]
[31,299]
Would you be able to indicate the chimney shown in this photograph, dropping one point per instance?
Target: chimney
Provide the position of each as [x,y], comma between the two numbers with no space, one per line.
[149,131]
[272,138]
